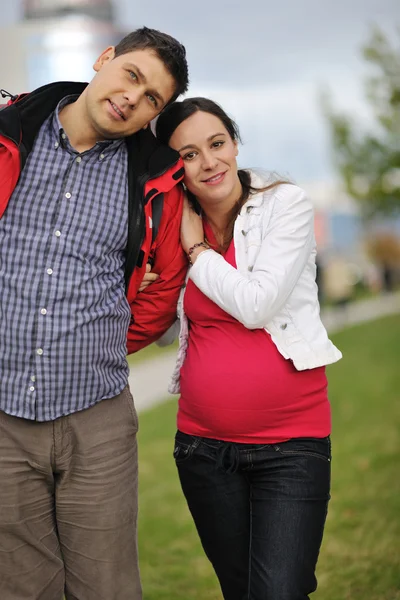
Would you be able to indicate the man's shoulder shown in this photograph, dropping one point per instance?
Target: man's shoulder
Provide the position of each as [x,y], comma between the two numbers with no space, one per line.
[174,197]
[158,162]
[33,106]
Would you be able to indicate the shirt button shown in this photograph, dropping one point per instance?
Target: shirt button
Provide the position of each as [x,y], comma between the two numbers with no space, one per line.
[244,232]
[63,135]
[31,389]
[101,156]
[43,311]
[49,271]
[283,326]
[250,268]
[33,378]
[56,145]
[57,233]
[39,351]
[78,160]
[68,195]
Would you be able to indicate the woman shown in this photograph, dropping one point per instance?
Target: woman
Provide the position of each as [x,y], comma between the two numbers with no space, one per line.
[252,447]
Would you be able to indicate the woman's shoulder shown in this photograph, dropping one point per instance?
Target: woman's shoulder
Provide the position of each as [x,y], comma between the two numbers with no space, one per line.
[277,193]
[287,194]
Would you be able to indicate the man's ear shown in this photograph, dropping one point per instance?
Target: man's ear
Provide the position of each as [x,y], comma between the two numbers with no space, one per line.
[104,58]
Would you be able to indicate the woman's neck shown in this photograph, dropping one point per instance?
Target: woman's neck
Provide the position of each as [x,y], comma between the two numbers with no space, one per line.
[219,214]
[217,217]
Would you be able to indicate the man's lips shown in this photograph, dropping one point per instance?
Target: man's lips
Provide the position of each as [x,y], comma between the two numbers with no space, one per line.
[215,179]
[117,110]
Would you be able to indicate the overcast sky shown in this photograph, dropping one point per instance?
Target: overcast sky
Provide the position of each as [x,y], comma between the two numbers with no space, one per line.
[265,62]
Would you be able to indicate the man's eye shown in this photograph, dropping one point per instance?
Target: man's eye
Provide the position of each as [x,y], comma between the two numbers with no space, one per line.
[152,99]
[133,75]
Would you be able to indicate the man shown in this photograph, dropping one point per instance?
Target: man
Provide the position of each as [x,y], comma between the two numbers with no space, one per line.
[77,164]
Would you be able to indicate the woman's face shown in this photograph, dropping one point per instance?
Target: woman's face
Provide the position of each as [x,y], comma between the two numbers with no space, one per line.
[209,156]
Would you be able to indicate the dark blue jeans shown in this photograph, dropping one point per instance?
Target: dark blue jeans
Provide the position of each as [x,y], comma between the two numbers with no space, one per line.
[259,510]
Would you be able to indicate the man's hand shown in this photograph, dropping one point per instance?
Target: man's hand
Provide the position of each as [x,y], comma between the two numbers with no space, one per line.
[148,278]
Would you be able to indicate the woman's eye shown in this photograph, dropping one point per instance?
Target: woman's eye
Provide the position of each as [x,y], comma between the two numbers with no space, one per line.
[189,156]
[218,144]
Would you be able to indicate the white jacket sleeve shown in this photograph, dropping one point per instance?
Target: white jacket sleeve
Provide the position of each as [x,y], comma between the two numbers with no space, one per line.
[285,249]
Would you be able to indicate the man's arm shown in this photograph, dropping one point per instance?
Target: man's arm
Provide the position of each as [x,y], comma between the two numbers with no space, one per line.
[154,309]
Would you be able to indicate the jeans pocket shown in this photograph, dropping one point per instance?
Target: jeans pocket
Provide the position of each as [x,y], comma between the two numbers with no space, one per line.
[184,447]
[313,447]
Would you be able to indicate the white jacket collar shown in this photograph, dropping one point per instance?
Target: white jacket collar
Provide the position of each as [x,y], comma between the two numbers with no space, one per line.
[257,181]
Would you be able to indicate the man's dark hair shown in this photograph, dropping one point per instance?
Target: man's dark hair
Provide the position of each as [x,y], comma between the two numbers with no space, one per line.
[167,48]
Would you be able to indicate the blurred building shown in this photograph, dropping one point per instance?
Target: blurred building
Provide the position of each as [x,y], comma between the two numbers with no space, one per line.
[351,250]
[338,225]
[38,9]
[55,40]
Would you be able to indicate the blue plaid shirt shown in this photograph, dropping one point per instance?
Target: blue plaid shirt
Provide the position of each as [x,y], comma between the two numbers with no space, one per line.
[63,309]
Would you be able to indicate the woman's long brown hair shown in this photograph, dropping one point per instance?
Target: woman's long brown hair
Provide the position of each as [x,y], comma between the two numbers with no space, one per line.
[173,116]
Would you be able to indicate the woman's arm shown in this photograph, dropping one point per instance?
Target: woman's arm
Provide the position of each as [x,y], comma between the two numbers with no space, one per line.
[285,249]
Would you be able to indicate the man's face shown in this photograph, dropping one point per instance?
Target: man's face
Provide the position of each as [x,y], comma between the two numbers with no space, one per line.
[127,92]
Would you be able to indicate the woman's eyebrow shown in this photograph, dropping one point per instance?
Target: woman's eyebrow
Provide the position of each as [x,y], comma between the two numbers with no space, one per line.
[211,137]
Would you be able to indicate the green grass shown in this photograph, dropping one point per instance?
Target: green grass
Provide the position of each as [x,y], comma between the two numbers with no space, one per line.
[360,554]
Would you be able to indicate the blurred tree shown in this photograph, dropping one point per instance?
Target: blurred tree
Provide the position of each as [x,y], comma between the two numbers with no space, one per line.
[369,162]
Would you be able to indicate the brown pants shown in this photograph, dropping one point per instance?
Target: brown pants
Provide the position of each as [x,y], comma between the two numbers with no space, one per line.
[68,505]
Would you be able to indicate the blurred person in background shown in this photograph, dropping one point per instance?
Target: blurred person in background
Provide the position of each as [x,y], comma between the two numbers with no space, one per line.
[81,178]
[252,447]
[339,281]
[319,280]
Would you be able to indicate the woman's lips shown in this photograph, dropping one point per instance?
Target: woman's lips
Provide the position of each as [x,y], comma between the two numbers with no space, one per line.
[215,179]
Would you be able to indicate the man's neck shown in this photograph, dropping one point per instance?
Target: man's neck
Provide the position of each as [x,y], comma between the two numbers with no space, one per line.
[75,124]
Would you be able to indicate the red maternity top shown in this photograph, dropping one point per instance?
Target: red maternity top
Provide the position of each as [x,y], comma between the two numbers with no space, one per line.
[236,386]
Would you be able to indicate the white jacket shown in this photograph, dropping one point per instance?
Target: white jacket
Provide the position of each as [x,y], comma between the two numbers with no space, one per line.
[273,286]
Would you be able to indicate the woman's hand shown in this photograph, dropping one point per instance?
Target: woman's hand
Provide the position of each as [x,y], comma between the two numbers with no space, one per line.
[148,278]
[192,231]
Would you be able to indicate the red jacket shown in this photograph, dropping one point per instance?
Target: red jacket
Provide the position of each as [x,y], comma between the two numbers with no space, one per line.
[153,173]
